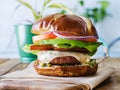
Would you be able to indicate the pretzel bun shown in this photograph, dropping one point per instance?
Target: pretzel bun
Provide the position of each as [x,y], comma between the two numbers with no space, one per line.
[66,71]
[75,25]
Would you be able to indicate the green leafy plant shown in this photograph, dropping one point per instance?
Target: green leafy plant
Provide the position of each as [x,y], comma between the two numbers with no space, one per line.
[61,6]
[46,4]
[36,14]
[96,13]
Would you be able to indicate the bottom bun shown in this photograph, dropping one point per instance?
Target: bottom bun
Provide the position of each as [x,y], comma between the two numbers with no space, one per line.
[66,71]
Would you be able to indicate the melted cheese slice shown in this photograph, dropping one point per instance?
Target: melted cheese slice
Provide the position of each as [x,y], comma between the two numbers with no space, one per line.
[47,56]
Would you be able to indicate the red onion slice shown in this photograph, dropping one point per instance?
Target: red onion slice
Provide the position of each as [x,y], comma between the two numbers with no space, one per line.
[74,37]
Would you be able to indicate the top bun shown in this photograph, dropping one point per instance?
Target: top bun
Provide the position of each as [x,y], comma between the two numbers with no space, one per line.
[72,24]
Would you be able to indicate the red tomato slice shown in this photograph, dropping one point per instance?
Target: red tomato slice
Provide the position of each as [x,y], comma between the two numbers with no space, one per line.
[90,40]
[43,37]
[41,47]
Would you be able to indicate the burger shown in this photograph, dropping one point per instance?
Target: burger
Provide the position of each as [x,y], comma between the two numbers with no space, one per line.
[64,45]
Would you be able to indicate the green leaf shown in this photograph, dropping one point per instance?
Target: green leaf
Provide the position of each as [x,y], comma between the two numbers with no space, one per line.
[97,13]
[81,2]
[46,2]
[16,8]
[30,7]
[43,7]
[104,4]
[60,6]
[26,48]
[66,43]
[63,12]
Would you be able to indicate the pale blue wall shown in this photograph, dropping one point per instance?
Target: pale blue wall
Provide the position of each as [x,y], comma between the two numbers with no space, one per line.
[108,29]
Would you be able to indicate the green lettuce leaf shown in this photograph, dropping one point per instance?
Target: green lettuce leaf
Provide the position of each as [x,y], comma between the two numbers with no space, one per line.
[26,48]
[66,43]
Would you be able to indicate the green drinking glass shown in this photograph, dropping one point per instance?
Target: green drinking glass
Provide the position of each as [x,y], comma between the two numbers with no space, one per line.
[24,36]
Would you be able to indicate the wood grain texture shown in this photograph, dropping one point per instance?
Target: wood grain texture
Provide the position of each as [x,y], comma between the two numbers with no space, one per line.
[113,82]
[20,66]
[2,60]
[7,65]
